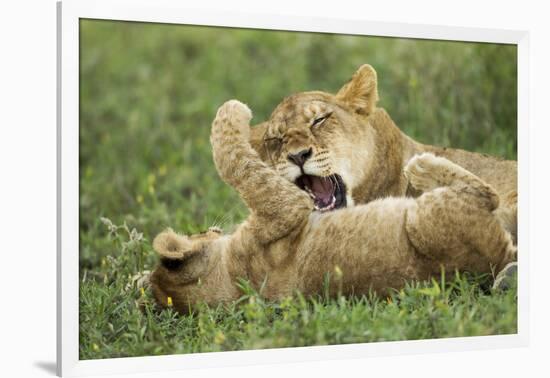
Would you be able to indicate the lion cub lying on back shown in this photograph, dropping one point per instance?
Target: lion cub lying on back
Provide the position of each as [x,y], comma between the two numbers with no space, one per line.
[285,245]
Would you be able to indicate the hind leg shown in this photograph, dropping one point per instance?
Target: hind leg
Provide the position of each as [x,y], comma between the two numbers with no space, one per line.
[453,223]
[427,172]
[451,229]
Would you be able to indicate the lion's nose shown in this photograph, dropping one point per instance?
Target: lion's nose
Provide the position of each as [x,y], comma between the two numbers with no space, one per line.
[300,158]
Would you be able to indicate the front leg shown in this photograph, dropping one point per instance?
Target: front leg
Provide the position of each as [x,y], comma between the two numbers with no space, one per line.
[278,206]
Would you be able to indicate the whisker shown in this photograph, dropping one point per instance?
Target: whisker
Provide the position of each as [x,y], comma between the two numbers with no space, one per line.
[226,216]
[337,186]
[215,222]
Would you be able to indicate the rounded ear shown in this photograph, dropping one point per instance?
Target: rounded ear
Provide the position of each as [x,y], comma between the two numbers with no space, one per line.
[361,92]
[170,245]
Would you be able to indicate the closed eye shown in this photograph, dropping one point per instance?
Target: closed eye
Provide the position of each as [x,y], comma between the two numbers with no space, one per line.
[320,120]
[273,143]
[272,147]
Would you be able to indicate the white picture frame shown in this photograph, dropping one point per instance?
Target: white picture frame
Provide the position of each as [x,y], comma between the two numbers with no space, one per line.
[69,14]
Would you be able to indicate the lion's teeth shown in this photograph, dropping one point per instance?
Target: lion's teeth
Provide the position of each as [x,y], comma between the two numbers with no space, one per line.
[328,207]
[308,191]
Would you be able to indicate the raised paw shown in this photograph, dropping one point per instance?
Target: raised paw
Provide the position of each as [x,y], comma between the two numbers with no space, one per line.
[236,111]
[422,171]
[426,172]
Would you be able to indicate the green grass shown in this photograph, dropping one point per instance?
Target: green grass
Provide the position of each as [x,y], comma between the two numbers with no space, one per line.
[148,95]
[118,320]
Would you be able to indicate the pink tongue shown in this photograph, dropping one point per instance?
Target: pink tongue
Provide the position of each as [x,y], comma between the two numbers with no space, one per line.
[323,190]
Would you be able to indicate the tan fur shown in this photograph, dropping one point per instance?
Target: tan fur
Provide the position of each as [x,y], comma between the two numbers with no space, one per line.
[285,246]
[361,143]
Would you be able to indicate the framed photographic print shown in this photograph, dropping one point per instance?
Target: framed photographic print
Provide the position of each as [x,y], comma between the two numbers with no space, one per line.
[240,188]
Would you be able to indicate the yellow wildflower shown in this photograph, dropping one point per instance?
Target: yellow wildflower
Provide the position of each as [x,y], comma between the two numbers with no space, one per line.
[219,338]
[338,272]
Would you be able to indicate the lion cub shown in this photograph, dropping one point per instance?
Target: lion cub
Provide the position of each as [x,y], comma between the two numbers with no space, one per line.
[285,245]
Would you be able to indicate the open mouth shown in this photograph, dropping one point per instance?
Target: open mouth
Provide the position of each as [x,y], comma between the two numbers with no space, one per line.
[328,193]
